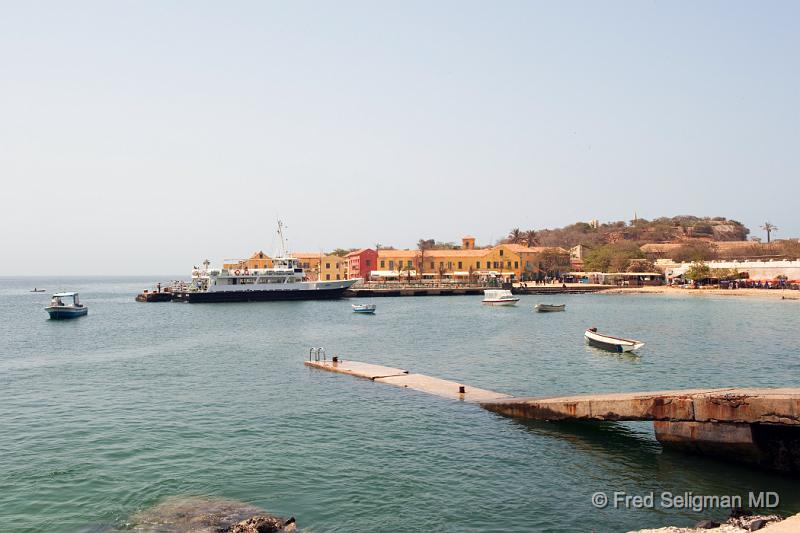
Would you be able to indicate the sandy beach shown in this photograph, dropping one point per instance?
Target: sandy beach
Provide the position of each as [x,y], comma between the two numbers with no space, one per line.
[785,294]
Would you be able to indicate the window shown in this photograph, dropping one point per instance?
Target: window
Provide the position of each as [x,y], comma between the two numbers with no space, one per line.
[433,265]
[449,265]
[328,276]
[459,265]
[516,264]
[477,264]
[508,264]
[327,265]
[495,264]
[337,276]
[383,263]
[391,264]
[501,252]
[409,263]
[367,262]
[441,264]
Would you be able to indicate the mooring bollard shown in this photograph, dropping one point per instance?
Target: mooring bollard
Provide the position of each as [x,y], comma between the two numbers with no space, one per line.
[335,359]
[462,389]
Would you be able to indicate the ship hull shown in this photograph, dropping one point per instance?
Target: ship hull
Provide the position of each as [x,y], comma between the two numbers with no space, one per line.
[258,295]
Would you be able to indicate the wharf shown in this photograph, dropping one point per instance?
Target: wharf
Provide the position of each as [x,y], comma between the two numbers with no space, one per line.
[405,290]
[403,378]
[756,426]
[154,296]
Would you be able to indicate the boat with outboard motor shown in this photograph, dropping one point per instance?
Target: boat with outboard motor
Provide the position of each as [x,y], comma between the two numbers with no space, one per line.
[58,309]
[612,344]
[364,309]
[284,280]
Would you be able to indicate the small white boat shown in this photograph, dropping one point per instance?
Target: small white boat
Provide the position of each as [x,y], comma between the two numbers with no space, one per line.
[58,309]
[613,344]
[549,308]
[499,297]
[364,309]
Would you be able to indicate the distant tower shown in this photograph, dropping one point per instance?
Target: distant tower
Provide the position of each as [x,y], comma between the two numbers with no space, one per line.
[594,223]
[635,218]
[468,242]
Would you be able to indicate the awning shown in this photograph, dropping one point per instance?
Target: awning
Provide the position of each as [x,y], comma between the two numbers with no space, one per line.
[384,273]
[461,273]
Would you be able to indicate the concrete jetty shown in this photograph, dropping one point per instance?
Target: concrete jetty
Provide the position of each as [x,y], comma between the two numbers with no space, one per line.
[756,426]
[403,378]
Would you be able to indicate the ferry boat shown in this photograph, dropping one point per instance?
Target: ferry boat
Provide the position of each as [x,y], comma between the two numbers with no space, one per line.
[58,309]
[285,280]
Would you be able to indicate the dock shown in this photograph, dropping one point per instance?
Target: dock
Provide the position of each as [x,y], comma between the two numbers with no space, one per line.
[415,290]
[403,378]
[758,426]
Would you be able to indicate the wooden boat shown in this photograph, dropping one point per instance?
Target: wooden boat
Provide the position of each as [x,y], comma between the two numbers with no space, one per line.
[499,297]
[613,344]
[36,290]
[549,308]
[364,309]
[58,309]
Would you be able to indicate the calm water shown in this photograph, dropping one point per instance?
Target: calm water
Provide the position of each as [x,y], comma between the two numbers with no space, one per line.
[105,415]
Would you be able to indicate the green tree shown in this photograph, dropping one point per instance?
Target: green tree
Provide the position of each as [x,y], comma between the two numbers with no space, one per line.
[514,236]
[769,228]
[614,257]
[698,271]
[695,250]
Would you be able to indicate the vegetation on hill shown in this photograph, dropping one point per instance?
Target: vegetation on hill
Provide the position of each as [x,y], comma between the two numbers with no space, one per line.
[664,229]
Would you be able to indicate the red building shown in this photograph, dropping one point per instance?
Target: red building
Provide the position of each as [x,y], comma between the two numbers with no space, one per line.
[361,263]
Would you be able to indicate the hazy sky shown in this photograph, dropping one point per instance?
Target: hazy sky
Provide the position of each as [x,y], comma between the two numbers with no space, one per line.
[144,136]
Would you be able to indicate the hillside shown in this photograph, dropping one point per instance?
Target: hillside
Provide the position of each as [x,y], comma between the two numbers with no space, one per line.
[640,231]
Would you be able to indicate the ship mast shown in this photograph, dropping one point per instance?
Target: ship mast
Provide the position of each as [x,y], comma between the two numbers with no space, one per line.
[284,244]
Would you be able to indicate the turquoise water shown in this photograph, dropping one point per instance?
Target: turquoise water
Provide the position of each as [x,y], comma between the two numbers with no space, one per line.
[105,415]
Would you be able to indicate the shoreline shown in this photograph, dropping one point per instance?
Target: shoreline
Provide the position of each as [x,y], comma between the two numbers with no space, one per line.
[769,294]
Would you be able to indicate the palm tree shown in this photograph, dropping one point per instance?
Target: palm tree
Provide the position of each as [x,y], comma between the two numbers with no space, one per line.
[769,228]
[530,238]
[514,236]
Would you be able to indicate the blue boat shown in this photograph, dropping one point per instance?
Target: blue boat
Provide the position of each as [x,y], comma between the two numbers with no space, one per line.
[59,310]
[364,309]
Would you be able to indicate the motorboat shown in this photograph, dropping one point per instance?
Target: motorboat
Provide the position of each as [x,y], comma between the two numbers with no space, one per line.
[58,309]
[549,308]
[36,290]
[499,297]
[364,309]
[612,344]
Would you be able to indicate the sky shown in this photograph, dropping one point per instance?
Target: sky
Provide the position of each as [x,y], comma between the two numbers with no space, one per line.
[141,137]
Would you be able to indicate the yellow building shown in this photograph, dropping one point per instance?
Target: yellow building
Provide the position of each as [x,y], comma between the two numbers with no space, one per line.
[319,266]
[508,261]
[257,260]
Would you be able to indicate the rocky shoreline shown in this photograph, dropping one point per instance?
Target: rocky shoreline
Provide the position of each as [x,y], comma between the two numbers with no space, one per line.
[199,514]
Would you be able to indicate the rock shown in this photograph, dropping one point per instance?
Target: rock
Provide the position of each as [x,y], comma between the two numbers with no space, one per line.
[739,512]
[206,515]
[757,524]
[263,524]
[706,524]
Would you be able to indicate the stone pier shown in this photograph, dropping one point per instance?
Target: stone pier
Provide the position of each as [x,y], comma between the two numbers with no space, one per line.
[755,426]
